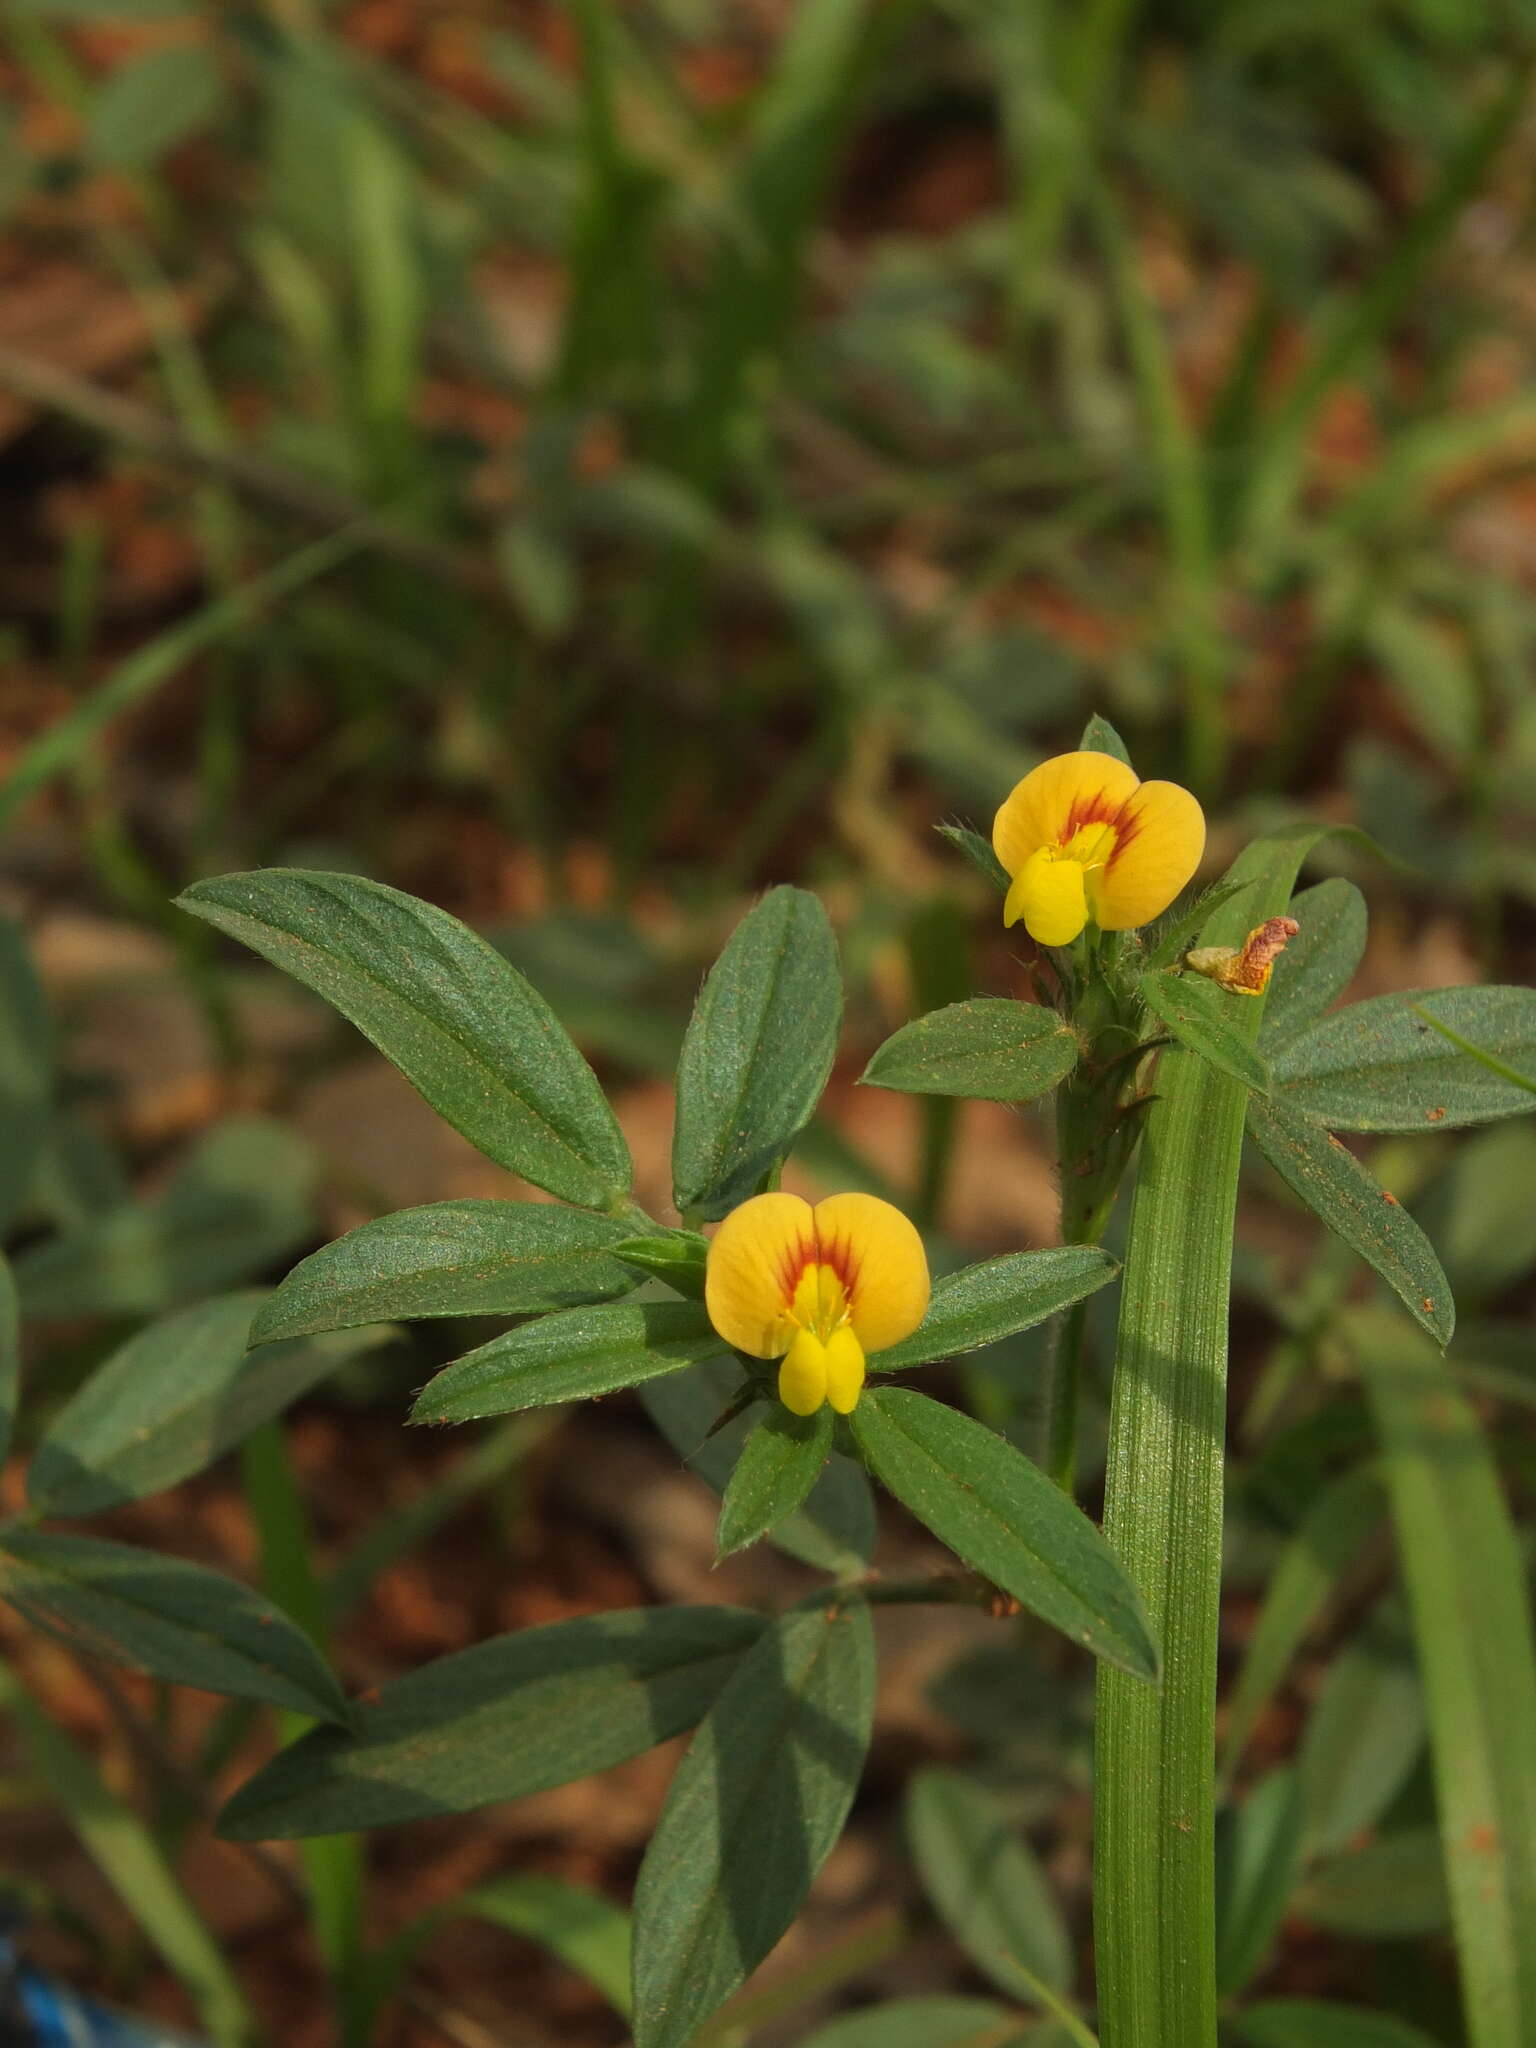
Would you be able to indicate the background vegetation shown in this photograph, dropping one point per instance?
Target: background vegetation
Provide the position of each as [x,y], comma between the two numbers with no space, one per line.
[583,463]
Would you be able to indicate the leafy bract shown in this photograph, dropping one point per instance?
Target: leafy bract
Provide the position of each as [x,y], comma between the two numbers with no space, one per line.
[462,1025]
[758,1052]
[1327,1176]
[997,1298]
[780,1462]
[990,1047]
[465,1258]
[1003,1517]
[752,1814]
[171,1400]
[1380,1066]
[172,1619]
[509,1717]
[569,1356]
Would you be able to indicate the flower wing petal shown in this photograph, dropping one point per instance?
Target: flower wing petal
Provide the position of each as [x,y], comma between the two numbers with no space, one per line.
[755,1259]
[1055,800]
[881,1256]
[1161,837]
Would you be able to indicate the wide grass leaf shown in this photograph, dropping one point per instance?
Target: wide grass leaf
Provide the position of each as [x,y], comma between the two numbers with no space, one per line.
[1207,1019]
[167,1617]
[928,2023]
[1469,1598]
[1318,964]
[1328,1177]
[1311,2023]
[1379,1066]
[462,1025]
[171,1400]
[1003,1517]
[507,1718]
[465,1258]
[1258,1858]
[834,1527]
[779,1464]
[986,1884]
[758,1052]
[755,1808]
[996,1299]
[243,1198]
[990,1047]
[567,1357]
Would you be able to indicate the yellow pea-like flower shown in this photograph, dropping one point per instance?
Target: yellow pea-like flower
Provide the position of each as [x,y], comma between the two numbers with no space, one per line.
[1083,838]
[818,1288]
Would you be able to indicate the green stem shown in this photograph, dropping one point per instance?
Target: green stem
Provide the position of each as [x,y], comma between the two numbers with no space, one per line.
[1154,1891]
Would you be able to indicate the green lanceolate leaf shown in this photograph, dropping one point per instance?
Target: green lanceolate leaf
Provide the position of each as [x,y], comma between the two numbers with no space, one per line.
[990,1047]
[172,1619]
[1329,1538]
[986,1885]
[1469,1599]
[1208,1020]
[170,1401]
[757,1054]
[1317,965]
[978,852]
[1003,1517]
[569,1357]
[927,2023]
[10,1356]
[243,1198]
[468,1258]
[507,1718]
[753,1812]
[1379,1066]
[1328,1177]
[1100,737]
[833,1529]
[678,1258]
[995,1299]
[1258,1859]
[462,1025]
[26,1070]
[1364,1736]
[779,1464]
[1393,1889]
[1310,2023]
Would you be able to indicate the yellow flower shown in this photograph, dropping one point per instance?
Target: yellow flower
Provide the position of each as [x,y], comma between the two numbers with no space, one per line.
[1082,838]
[816,1287]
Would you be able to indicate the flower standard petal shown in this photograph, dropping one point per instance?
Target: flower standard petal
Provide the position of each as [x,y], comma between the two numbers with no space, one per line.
[1160,837]
[880,1255]
[1057,799]
[755,1261]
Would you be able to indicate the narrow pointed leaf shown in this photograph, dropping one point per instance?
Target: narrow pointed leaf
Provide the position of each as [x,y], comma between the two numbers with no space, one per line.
[1328,1177]
[996,1299]
[986,1884]
[978,852]
[758,1052]
[569,1357]
[1468,1594]
[1175,938]
[1208,1020]
[1363,1738]
[929,2023]
[167,1617]
[1392,1889]
[755,1808]
[834,1527]
[466,1258]
[1380,1066]
[780,1462]
[1310,2023]
[990,1047]
[1318,964]
[462,1025]
[171,1400]
[1258,1859]
[1003,1517]
[507,1718]
[678,1258]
